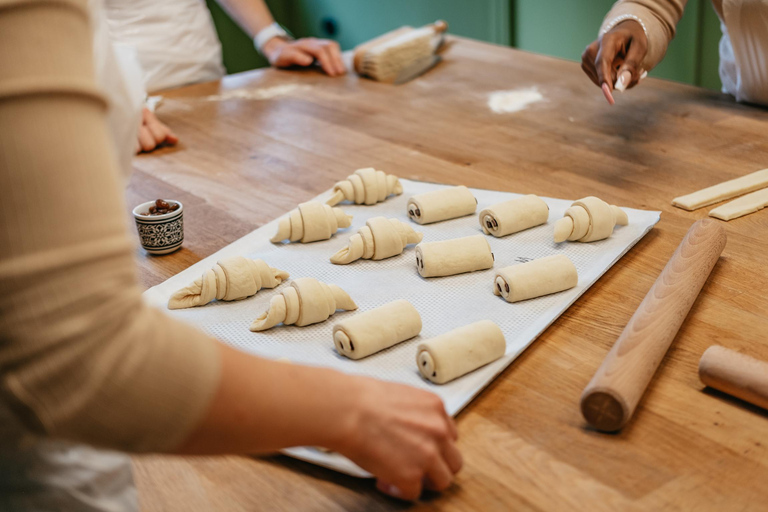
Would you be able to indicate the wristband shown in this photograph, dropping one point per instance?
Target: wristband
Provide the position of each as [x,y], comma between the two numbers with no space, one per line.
[624,17]
[267,33]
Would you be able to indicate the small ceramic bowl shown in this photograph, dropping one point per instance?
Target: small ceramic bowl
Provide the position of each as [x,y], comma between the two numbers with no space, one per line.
[160,234]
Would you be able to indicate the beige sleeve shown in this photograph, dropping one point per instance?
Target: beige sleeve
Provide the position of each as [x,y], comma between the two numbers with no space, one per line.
[659,19]
[81,357]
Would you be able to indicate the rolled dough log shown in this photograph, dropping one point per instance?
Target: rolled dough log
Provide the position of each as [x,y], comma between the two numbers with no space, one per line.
[736,374]
[230,279]
[450,257]
[536,278]
[366,186]
[588,220]
[310,222]
[723,191]
[460,351]
[750,203]
[443,204]
[509,217]
[369,332]
[307,301]
[380,238]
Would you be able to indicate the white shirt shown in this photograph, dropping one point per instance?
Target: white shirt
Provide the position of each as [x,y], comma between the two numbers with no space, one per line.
[175,40]
[744,50]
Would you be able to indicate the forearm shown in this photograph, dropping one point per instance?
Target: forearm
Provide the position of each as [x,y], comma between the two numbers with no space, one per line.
[659,19]
[262,406]
[251,15]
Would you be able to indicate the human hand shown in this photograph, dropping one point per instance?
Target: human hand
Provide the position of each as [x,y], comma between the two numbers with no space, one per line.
[403,436]
[153,133]
[303,52]
[616,58]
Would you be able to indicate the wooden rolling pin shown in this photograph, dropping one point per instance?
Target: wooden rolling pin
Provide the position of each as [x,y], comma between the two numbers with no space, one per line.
[736,374]
[613,393]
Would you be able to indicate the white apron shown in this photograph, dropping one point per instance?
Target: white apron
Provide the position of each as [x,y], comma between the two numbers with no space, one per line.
[744,50]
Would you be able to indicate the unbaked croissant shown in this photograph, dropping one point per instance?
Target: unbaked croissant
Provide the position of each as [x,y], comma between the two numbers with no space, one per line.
[307,301]
[366,186]
[380,238]
[588,220]
[310,222]
[230,279]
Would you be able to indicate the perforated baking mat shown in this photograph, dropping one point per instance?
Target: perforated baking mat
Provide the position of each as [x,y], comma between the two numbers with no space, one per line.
[444,302]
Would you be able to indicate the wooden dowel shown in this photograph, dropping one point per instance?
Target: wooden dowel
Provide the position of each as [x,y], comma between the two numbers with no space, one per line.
[611,396]
[736,374]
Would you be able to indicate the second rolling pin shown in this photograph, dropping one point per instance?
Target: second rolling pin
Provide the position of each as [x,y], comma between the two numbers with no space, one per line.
[736,374]
[613,393]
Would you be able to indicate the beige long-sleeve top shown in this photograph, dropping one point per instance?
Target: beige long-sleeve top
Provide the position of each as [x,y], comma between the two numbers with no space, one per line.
[659,19]
[81,357]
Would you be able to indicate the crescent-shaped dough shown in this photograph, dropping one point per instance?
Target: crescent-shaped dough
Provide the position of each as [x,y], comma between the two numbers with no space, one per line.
[588,220]
[310,222]
[307,301]
[515,215]
[443,204]
[372,331]
[460,351]
[230,279]
[536,278]
[380,238]
[366,186]
[450,257]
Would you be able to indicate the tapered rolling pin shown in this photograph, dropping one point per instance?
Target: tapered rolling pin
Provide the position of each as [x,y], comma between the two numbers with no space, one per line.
[736,374]
[611,396]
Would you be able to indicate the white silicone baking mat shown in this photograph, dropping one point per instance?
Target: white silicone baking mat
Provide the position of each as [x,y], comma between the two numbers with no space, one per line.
[444,302]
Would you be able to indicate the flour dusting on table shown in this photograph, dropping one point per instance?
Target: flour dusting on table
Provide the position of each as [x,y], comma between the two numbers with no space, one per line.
[504,102]
[258,94]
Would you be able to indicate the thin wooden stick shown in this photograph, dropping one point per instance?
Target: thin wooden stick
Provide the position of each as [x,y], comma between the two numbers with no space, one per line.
[736,374]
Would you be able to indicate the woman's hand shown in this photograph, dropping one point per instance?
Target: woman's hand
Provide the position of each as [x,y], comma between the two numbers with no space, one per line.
[153,133]
[403,436]
[303,52]
[616,55]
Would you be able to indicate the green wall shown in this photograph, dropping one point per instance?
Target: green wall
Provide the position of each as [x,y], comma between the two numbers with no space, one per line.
[561,28]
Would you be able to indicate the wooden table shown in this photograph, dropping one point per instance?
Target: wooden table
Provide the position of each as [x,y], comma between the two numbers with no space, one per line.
[243,162]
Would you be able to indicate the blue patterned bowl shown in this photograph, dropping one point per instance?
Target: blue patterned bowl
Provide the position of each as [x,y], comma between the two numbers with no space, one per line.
[160,234]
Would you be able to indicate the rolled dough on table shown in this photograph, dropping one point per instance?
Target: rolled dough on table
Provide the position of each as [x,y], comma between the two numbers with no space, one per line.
[444,204]
[750,203]
[536,278]
[451,257]
[372,331]
[723,191]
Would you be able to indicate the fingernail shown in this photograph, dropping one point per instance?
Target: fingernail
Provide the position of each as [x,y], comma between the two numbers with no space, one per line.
[643,75]
[621,81]
[393,491]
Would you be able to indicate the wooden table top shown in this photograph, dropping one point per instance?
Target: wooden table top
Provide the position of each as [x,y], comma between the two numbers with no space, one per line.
[243,162]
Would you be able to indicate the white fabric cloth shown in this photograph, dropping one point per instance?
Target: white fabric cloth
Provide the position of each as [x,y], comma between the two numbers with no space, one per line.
[175,40]
[39,474]
[744,50]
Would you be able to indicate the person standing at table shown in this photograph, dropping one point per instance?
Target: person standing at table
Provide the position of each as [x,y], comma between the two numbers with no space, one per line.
[636,33]
[176,44]
[84,361]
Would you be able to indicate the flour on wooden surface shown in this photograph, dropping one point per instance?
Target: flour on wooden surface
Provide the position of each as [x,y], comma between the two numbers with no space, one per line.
[504,102]
[258,94]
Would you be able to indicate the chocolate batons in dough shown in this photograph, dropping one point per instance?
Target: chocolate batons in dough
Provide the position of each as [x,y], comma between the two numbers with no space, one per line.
[372,331]
[307,301]
[380,238]
[460,351]
[366,186]
[588,220]
[230,279]
[515,215]
[310,222]
[536,278]
[443,204]
[450,257]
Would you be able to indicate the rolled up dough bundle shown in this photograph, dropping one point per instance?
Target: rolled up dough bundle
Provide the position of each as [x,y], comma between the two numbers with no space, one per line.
[588,220]
[443,204]
[450,257]
[460,351]
[380,238]
[310,222]
[230,279]
[536,278]
[515,215]
[377,329]
[307,301]
[366,186]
